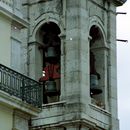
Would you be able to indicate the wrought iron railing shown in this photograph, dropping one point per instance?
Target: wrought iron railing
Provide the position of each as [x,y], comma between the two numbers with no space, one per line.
[16,84]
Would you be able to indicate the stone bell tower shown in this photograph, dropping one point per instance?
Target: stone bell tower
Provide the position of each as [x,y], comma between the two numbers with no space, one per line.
[72,53]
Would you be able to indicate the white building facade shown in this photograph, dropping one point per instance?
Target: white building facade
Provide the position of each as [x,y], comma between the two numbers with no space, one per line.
[67,50]
[15,109]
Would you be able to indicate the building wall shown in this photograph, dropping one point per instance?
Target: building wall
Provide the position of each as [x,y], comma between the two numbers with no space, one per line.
[6,117]
[13,55]
[77,18]
[5,46]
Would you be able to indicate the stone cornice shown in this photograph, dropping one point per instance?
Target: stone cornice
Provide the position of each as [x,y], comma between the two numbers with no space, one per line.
[9,13]
[16,103]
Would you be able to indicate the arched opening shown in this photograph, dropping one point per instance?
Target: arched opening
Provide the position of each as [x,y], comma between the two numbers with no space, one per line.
[48,36]
[98,67]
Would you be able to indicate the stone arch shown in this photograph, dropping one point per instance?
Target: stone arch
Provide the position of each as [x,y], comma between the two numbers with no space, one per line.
[49,25]
[48,36]
[98,62]
[48,17]
[37,55]
[97,22]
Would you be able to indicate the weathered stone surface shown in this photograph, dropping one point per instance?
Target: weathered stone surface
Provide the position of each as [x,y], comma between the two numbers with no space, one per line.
[76,18]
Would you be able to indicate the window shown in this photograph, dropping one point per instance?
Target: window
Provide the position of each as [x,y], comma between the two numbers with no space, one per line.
[15,54]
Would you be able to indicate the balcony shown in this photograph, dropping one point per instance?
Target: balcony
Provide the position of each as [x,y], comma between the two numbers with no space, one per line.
[22,87]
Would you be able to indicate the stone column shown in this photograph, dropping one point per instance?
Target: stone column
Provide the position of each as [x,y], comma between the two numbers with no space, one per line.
[20,121]
[35,61]
[77,56]
[63,90]
[113,70]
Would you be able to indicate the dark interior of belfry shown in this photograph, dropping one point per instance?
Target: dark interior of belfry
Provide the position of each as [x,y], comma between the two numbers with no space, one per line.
[51,62]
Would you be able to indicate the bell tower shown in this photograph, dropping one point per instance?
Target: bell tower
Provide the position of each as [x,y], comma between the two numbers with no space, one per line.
[73,55]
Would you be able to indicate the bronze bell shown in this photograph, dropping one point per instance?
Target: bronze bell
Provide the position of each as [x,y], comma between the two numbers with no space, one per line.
[51,53]
[51,88]
[94,89]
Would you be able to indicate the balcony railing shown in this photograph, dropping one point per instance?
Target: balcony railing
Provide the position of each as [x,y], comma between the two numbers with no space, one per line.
[20,86]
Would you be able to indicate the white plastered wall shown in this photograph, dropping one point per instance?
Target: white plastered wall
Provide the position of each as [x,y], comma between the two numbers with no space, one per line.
[6,118]
[5,32]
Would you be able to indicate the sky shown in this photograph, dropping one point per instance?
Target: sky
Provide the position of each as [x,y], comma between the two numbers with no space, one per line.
[123,66]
